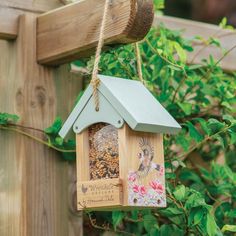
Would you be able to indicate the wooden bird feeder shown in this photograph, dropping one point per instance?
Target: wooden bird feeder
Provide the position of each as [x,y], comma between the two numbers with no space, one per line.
[120,160]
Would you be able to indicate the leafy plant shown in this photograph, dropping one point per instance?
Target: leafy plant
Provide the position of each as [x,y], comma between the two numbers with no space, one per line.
[201,193]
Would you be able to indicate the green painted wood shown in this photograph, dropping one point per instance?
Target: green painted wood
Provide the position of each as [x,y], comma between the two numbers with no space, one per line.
[132,101]
[106,114]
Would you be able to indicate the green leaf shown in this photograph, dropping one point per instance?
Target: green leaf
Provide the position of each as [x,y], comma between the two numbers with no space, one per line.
[181,52]
[223,23]
[183,142]
[229,228]
[215,126]
[117,217]
[6,118]
[59,141]
[211,225]
[179,192]
[193,132]
[186,107]
[149,221]
[196,215]
[171,211]
[166,230]
[55,128]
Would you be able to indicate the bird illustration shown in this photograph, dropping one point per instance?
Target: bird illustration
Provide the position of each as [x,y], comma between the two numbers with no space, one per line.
[145,157]
[84,189]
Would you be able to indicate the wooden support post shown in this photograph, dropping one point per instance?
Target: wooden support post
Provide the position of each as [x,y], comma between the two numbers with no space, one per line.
[36,186]
[72,32]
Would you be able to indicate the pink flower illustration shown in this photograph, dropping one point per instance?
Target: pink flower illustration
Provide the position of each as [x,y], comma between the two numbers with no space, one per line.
[132,176]
[142,190]
[158,187]
[136,188]
[162,170]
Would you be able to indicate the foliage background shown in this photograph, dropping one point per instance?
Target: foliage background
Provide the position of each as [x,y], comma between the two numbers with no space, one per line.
[200,161]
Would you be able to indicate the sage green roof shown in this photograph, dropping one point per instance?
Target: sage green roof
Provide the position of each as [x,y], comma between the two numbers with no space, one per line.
[132,101]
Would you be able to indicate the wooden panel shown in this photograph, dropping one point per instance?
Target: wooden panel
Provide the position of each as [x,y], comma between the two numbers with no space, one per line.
[82,152]
[193,28]
[99,193]
[66,34]
[10,10]
[142,168]
[34,181]
[8,23]
[32,5]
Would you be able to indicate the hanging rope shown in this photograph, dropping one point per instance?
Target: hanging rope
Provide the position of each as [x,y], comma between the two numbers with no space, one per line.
[95,82]
[139,63]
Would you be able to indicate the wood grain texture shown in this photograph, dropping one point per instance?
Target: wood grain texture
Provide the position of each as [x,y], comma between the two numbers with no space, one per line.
[37,6]
[82,153]
[72,31]
[36,186]
[8,23]
[10,10]
[129,148]
[103,193]
[190,29]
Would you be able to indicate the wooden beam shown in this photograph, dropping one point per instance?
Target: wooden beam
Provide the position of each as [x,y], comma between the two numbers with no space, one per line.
[71,32]
[8,23]
[190,29]
[10,10]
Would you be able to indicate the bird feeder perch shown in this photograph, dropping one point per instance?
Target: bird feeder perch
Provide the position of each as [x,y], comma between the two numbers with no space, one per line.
[120,160]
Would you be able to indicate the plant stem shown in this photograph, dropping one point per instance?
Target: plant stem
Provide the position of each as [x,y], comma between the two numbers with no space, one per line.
[182,157]
[162,57]
[36,139]
[26,127]
[93,223]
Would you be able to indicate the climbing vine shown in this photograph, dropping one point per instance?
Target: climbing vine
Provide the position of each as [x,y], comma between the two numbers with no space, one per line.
[201,193]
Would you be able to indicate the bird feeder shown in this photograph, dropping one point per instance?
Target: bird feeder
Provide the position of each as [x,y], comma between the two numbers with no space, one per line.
[120,160]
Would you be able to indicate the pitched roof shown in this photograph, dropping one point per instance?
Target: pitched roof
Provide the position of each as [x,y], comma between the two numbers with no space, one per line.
[134,103]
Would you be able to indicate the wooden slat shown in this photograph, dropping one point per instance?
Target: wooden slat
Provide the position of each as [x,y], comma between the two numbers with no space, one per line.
[34,181]
[82,153]
[10,10]
[32,5]
[101,193]
[72,31]
[193,28]
[8,23]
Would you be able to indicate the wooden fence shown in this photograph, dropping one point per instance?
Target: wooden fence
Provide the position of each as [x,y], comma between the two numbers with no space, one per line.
[37,188]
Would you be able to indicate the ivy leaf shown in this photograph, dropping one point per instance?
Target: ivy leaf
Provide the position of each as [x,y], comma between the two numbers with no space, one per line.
[59,141]
[6,118]
[117,217]
[69,145]
[55,128]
